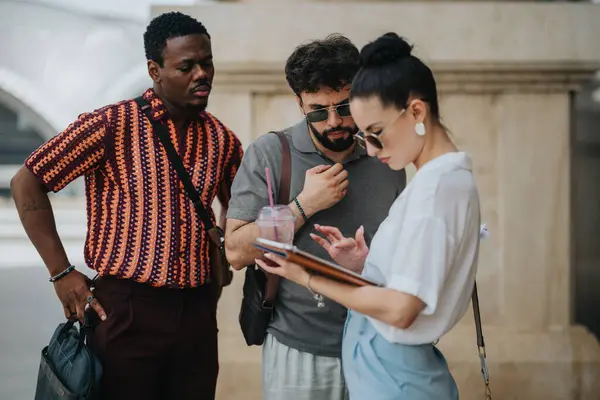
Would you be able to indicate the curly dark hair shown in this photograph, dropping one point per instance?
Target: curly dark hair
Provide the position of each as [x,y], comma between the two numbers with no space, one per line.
[167,26]
[331,62]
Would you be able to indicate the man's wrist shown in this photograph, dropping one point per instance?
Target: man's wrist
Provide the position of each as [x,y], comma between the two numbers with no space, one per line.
[56,268]
[56,277]
[305,206]
[299,207]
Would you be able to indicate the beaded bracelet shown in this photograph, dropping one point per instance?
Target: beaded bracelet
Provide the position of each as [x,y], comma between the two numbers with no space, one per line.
[62,274]
[300,209]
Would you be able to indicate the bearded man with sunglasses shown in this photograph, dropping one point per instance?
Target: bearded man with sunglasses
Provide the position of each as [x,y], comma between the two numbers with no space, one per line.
[333,183]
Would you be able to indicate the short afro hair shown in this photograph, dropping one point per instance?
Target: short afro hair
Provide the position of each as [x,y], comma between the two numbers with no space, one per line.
[331,62]
[167,26]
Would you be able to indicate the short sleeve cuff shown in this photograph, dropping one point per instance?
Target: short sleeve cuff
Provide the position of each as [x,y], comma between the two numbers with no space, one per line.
[242,214]
[417,289]
[39,177]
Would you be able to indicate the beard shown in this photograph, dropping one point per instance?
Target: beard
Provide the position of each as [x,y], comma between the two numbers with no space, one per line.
[337,145]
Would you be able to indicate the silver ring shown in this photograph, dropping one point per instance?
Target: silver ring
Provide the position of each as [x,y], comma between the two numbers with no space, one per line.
[90,298]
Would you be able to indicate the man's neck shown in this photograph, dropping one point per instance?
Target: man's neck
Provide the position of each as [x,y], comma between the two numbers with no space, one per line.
[181,117]
[335,156]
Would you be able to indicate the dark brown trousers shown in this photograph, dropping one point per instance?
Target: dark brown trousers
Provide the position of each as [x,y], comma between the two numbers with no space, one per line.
[156,343]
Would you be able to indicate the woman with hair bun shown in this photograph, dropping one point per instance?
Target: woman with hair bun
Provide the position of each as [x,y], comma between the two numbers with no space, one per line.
[425,253]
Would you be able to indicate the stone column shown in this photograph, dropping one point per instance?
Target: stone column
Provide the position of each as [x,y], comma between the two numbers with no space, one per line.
[505,74]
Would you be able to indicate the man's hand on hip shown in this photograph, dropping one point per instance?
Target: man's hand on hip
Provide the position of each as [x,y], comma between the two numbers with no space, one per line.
[74,293]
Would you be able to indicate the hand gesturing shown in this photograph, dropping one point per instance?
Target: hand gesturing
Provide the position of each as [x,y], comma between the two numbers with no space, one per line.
[350,253]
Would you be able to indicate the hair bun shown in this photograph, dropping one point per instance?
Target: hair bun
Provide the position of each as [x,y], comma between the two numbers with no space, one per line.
[384,50]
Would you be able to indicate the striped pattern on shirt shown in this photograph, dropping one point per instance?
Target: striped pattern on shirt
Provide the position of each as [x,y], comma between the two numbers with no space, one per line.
[141,225]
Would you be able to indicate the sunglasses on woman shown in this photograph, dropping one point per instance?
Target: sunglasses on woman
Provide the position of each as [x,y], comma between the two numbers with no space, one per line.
[363,138]
[373,140]
[322,114]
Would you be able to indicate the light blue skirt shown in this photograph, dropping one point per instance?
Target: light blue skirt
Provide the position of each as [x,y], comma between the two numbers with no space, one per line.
[376,369]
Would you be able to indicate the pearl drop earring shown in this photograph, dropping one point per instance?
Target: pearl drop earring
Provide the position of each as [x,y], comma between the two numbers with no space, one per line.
[420,129]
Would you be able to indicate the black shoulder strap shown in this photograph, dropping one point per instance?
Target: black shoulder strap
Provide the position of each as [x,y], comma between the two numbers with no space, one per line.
[480,342]
[162,133]
[286,169]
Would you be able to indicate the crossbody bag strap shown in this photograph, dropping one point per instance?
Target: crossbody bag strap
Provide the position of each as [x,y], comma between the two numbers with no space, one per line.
[283,198]
[161,131]
[481,343]
[286,169]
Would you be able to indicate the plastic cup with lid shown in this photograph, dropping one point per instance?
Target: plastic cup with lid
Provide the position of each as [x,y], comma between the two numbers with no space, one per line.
[276,223]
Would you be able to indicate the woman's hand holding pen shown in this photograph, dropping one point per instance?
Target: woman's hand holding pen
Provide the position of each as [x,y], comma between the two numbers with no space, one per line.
[350,253]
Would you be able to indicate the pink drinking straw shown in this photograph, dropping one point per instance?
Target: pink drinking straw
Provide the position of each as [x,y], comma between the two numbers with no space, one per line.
[269,187]
[271,201]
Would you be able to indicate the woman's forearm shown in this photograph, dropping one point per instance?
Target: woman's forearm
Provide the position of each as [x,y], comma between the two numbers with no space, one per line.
[387,305]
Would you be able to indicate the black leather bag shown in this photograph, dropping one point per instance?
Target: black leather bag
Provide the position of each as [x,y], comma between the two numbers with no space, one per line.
[260,288]
[69,370]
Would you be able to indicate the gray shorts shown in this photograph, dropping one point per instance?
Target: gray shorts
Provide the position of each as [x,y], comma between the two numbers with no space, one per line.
[294,375]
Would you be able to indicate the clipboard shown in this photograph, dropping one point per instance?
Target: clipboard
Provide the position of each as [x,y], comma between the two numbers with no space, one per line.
[313,263]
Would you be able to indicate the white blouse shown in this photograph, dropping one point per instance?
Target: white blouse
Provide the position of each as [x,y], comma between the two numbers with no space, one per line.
[428,247]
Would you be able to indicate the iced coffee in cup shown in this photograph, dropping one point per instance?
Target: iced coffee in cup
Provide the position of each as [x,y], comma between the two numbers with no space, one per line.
[276,223]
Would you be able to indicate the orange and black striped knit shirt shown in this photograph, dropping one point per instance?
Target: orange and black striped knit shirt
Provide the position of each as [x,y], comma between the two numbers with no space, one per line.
[141,225]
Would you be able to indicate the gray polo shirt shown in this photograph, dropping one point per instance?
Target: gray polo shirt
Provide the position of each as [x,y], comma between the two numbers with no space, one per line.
[297,321]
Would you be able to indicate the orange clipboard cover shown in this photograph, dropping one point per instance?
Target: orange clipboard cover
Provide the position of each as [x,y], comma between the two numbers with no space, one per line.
[313,263]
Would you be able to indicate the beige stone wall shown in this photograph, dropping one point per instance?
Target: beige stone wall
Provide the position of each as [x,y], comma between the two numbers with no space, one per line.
[505,72]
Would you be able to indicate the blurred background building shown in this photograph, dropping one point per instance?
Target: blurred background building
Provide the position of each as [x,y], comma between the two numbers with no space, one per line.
[519,90]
